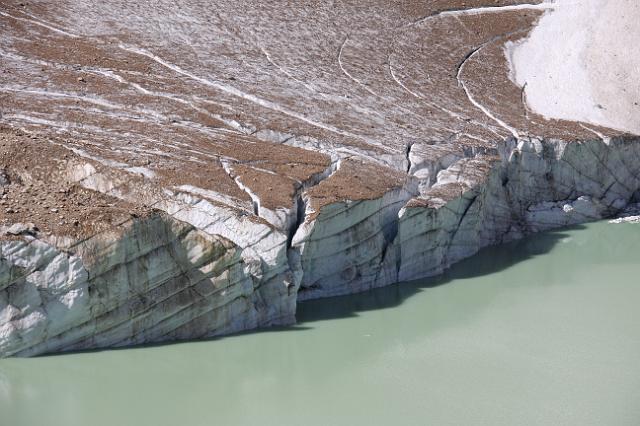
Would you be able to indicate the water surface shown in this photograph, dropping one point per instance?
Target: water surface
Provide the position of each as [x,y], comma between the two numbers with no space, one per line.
[540,332]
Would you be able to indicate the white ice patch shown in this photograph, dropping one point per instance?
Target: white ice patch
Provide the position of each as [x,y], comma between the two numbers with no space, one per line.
[579,63]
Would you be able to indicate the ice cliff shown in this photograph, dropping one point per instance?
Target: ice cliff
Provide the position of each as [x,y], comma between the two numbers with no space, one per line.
[203,182]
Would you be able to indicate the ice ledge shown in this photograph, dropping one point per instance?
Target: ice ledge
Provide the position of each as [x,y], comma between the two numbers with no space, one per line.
[200,269]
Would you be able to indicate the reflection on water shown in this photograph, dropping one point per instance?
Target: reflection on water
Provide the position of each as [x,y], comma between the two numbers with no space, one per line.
[543,331]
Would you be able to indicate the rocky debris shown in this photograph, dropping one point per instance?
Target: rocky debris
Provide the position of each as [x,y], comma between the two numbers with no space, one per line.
[4,179]
[182,193]
[39,191]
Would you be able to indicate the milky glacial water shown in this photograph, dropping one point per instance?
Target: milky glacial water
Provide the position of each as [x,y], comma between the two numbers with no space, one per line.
[540,332]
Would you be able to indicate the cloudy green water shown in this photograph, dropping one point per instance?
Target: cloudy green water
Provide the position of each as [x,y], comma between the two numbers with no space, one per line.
[540,332]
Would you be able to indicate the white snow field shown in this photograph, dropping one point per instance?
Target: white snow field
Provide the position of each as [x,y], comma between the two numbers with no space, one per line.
[582,62]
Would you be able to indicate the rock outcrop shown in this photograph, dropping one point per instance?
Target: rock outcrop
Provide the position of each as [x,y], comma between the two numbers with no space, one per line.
[195,169]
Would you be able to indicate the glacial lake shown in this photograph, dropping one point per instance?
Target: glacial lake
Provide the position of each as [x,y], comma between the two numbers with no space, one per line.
[544,331]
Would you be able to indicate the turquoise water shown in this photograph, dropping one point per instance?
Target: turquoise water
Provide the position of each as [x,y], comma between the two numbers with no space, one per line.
[540,332]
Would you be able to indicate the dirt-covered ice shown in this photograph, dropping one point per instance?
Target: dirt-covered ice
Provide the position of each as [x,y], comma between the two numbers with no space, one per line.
[196,168]
[582,63]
